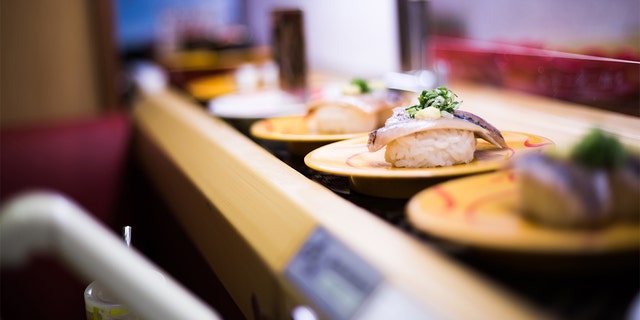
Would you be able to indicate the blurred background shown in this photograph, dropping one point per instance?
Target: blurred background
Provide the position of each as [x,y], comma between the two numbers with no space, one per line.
[70,61]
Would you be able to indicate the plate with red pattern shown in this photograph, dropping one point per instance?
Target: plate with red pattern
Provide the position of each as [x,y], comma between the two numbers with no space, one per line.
[482,211]
[351,157]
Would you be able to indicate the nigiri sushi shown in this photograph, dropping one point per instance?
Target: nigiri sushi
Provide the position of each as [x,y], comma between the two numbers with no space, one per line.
[433,133]
[596,184]
[361,107]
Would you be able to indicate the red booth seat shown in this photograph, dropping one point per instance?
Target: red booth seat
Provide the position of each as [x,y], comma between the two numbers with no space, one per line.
[82,159]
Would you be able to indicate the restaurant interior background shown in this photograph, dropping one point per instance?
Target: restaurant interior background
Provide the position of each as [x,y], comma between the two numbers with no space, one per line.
[362,38]
[67,64]
[369,30]
[339,36]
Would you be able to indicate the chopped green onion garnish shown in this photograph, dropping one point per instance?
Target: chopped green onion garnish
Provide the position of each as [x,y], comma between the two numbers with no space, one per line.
[362,84]
[599,150]
[441,98]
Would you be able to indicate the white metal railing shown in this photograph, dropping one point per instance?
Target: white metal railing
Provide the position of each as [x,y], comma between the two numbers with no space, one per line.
[48,222]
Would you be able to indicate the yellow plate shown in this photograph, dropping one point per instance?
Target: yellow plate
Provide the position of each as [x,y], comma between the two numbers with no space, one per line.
[352,158]
[370,174]
[209,87]
[293,130]
[481,211]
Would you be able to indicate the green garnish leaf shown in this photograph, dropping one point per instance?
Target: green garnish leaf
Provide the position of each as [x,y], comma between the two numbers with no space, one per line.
[441,98]
[599,150]
[362,84]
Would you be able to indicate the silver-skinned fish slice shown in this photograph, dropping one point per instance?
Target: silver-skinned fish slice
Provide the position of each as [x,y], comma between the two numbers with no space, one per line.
[400,125]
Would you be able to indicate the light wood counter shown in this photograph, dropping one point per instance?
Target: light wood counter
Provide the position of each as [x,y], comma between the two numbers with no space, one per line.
[562,122]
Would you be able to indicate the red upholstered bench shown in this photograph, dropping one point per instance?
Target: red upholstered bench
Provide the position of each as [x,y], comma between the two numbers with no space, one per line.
[84,160]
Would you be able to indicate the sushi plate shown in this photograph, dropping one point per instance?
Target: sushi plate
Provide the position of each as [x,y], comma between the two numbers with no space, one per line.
[370,174]
[482,211]
[210,87]
[255,105]
[293,130]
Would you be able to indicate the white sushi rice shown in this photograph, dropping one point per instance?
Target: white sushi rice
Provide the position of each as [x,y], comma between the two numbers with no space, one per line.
[337,120]
[432,148]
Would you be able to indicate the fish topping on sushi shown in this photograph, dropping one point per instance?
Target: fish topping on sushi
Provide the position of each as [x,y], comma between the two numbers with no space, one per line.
[596,184]
[432,133]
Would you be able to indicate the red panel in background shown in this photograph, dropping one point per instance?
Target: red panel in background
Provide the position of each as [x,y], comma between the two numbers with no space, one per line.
[606,81]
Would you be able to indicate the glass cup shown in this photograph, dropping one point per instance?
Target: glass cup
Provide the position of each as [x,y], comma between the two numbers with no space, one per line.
[99,305]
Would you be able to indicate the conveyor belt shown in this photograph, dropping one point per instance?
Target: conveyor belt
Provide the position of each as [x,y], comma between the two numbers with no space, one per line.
[583,294]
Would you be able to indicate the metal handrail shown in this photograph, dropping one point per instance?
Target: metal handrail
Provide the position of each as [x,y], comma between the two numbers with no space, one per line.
[48,222]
